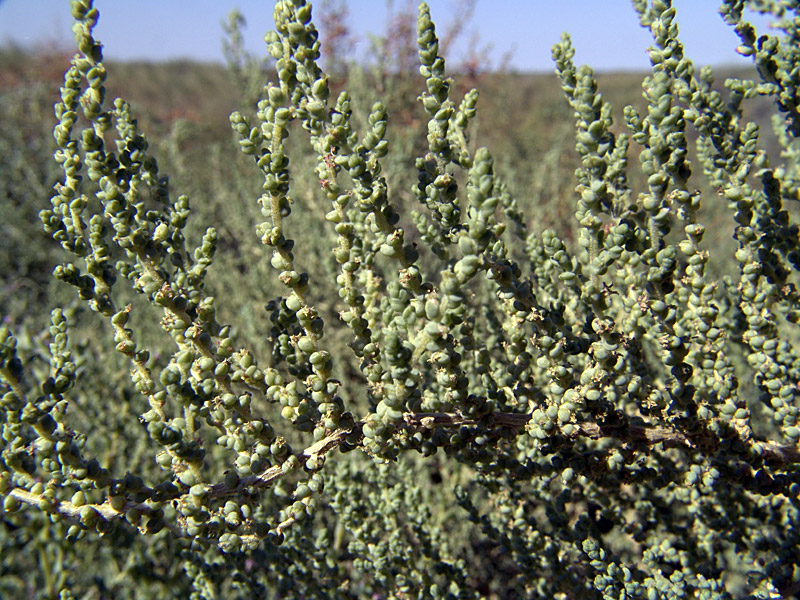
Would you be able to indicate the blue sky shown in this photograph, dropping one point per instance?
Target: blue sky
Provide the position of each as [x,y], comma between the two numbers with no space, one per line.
[606,33]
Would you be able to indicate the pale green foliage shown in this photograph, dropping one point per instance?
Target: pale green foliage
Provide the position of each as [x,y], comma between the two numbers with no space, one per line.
[586,395]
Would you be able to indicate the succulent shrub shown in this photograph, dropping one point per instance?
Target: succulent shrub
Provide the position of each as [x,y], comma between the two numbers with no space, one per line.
[455,404]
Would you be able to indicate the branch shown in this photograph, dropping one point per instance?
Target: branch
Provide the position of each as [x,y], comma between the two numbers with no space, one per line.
[703,440]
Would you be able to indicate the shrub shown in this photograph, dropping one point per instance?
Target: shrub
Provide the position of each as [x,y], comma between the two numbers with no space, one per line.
[453,406]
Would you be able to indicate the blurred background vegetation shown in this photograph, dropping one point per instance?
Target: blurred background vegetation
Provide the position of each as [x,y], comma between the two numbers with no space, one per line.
[183,109]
